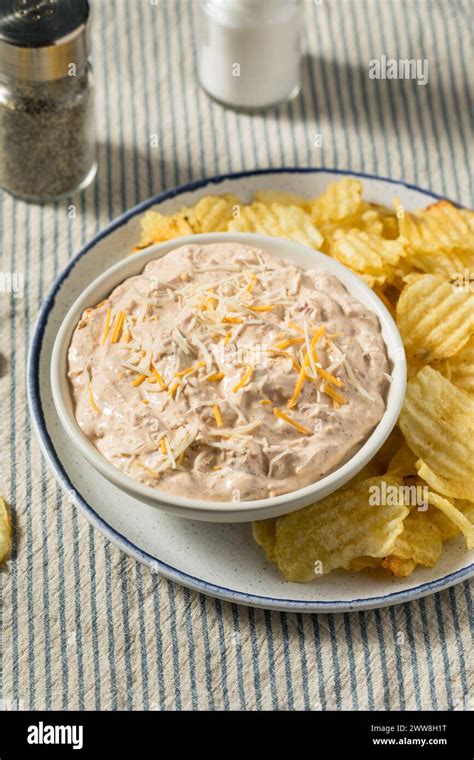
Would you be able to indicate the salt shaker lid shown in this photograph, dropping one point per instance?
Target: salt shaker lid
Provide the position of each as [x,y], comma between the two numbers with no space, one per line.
[40,39]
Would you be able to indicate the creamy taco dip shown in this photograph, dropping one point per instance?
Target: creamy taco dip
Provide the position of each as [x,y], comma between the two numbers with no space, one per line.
[224,373]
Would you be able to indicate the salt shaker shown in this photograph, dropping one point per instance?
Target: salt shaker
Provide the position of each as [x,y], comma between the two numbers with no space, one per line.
[250,51]
[47,135]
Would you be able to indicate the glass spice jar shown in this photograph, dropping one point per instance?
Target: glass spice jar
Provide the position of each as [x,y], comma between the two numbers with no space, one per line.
[47,134]
[250,52]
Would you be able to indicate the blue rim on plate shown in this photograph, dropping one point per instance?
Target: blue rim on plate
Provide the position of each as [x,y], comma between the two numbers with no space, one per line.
[34,399]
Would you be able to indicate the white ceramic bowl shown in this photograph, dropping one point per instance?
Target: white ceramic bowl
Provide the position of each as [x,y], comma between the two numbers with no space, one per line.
[217,511]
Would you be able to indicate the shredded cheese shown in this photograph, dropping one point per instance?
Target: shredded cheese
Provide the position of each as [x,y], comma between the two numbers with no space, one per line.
[268,307]
[275,460]
[181,341]
[173,389]
[117,328]
[288,342]
[287,356]
[282,416]
[92,402]
[243,381]
[309,358]
[217,415]
[207,356]
[295,327]
[151,473]
[190,370]
[330,378]
[158,377]
[251,284]
[107,326]
[334,395]
[298,387]
[214,378]
[354,381]
[140,379]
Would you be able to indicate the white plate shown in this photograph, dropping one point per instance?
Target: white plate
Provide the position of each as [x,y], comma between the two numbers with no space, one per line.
[217,559]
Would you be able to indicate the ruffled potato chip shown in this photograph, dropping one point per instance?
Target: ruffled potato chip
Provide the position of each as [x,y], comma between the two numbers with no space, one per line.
[434,319]
[454,488]
[368,221]
[388,219]
[264,533]
[338,529]
[212,213]
[447,528]
[363,563]
[450,265]
[5,532]
[456,516]
[285,199]
[437,421]
[400,568]
[156,228]
[277,220]
[460,368]
[372,257]
[441,226]
[420,540]
[340,201]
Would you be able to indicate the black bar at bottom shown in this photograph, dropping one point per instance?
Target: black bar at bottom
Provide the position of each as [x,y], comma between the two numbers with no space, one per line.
[136,734]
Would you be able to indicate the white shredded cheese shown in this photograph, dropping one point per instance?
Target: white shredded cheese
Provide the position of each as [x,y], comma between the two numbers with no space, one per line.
[354,381]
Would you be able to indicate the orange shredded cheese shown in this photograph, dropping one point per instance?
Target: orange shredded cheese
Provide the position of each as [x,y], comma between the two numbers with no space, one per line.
[282,416]
[217,415]
[245,378]
[140,379]
[302,375]
[107,326]
[330,378]
[288,342]
[118,324]
[92,402]
[295,327]
[163,446]
[161,382]
[233,320]
[298,387]
[265,402]
[287,356]
[334,395]
[215,377]
[190,370]
[228,337]
[317,335]
[173,389]
[211,302]
[269,307]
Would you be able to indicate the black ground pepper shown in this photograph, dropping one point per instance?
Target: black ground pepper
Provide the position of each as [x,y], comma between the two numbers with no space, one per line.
[47,140]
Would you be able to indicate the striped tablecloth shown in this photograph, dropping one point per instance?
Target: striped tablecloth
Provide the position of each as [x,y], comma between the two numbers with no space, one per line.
[82,625]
